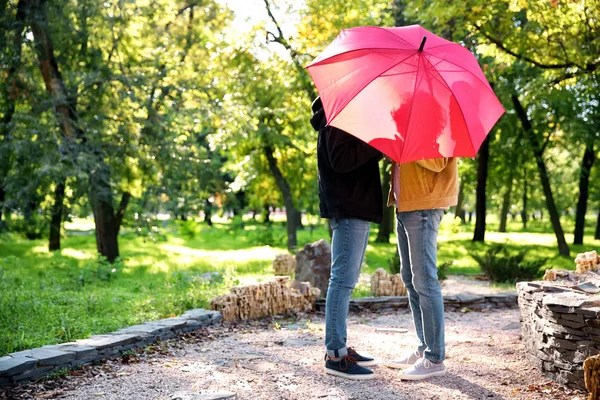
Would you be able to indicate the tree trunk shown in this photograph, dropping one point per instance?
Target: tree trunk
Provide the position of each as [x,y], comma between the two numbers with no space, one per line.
[104,216]
[387,223]
[506,202]
[121,210]
[208,212]
[482,173]
[524,217]
[299,224]
[9,93]
[563,247]
[57,214]
[589,156]
[286,193]
[2,198]
[64,109]
[597,233]
[266,214]
[459,212]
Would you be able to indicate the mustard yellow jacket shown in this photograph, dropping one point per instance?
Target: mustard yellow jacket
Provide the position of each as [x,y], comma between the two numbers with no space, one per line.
[424,184]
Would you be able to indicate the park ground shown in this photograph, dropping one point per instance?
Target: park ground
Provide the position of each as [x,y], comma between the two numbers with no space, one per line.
[282,358]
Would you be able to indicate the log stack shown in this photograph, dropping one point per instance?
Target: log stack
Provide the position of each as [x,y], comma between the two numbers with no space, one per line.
[269,298]
[588,261]
[384,284]
[284,264]
[591,370]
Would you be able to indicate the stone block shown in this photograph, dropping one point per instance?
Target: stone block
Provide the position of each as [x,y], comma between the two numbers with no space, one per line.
[33,374]
[571,378]
[101,342]
[549,367]
[563,344]
[146,329]
[199,314]
[313,264]
[572,317]
[47,356]
[570,324]
[467,298]
[173,323]
[593,312]
[568,299]
[593,323]
[10,366]
[562,309]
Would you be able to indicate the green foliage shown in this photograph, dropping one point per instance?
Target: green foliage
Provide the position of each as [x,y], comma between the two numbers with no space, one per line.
[394,263]
[499,265]
[394,266]
[442,270]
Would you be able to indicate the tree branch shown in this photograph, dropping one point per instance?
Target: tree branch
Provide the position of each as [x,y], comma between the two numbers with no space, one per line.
[538,64]
[280,38]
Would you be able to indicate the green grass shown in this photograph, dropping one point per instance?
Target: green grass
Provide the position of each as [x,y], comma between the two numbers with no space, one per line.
[48,298]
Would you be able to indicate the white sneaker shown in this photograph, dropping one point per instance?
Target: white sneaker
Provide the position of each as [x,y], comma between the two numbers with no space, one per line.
[406,361]
[423,369]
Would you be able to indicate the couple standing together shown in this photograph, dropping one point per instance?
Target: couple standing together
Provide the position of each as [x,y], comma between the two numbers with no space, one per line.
[350,196]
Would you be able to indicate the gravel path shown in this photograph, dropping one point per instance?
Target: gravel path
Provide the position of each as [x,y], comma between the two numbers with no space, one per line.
[283,359]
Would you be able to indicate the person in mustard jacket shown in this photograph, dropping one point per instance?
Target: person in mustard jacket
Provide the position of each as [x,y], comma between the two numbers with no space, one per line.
[421,191]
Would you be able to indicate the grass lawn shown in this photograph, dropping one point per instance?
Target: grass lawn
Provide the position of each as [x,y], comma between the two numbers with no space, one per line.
[48,298]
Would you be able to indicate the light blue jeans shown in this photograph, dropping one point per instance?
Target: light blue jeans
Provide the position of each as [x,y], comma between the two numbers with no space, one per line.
[417,244]
[348,245]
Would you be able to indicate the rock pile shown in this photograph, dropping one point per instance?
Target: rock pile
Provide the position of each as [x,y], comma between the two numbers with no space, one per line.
[560,323]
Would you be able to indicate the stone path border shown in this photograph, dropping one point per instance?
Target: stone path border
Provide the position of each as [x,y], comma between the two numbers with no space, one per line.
[30,365]
[33,364]
[474,302]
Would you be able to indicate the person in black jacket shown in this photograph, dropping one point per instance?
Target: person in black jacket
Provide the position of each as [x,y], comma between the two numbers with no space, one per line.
[350,197]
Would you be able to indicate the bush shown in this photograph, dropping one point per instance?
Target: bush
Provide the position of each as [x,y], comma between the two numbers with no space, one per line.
[394,263]
[442,270]
[499,265]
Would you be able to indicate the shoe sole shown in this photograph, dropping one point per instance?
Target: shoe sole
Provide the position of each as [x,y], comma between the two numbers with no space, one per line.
[367,363]
[398,365]
[361,377]
[420,377]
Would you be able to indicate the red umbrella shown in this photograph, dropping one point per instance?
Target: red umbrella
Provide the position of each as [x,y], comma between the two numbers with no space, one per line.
[405,91]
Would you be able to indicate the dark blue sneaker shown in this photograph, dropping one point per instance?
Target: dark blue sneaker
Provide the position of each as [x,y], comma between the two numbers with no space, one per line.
[347,368]
[363,361]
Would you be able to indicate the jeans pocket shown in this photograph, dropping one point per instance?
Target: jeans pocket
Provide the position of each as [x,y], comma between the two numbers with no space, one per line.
[334,222]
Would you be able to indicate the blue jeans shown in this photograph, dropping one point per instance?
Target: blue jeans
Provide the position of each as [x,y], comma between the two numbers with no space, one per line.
[348,245]
[417,244]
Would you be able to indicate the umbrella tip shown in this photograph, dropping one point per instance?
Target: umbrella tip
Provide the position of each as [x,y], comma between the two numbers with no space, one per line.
[423,43]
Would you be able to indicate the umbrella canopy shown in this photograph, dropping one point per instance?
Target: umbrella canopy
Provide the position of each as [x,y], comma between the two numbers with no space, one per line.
[406,91]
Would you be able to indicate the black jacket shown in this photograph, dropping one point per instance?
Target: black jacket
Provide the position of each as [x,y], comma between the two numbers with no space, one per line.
[349,182]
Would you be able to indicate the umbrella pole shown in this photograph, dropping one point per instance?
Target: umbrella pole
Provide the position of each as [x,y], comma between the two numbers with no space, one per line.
[423,43]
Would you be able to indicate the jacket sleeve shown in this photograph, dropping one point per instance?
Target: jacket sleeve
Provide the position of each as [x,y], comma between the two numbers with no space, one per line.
[347,152]
[434,164]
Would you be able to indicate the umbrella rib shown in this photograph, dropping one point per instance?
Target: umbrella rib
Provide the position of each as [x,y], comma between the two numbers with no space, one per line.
[462,68]
[394,35]
[353,50]
[367,84]
[411,108]
[462,113]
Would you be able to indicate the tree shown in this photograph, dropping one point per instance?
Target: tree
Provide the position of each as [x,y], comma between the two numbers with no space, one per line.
[538,149]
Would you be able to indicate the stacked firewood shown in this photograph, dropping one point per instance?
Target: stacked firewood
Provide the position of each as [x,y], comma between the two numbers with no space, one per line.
[384,284]
[268,298]
[284,264]
[591,370]
[588,261]
[587,270]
